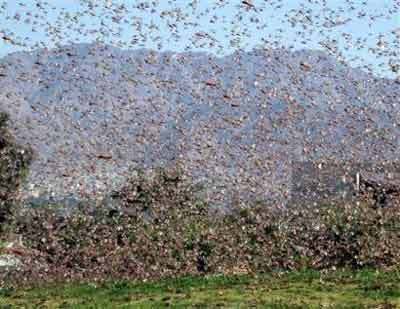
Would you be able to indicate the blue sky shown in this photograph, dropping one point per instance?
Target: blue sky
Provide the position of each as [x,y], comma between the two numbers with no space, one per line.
[216,26]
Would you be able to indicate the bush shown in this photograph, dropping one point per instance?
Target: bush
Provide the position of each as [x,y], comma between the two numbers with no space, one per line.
[164,230]
[14,163]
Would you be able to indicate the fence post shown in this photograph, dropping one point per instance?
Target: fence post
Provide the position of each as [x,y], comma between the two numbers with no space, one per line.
[358,182]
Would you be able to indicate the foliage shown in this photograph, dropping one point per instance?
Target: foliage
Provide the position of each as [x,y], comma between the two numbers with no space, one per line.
[14,163]
[162,230]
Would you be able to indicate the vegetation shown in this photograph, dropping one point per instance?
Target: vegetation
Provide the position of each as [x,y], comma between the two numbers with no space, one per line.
[160,228]
[306,289]
[14,163]
[163,230]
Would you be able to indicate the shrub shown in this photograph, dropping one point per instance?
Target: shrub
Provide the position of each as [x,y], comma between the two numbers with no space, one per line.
[164,230]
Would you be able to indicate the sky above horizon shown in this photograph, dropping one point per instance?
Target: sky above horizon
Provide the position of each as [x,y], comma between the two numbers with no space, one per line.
[363,33]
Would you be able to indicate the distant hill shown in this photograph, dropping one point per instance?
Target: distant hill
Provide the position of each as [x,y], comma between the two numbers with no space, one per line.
[91,112]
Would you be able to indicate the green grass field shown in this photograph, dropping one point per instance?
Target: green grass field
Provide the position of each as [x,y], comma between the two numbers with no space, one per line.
[364,289]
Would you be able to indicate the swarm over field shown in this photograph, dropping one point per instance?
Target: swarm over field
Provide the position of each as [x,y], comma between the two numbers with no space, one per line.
[91,112]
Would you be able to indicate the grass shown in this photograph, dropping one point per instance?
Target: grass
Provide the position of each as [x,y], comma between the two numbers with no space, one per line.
[307,289]
[2,246]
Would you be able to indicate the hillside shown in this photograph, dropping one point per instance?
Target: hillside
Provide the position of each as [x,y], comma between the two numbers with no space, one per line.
[92,112]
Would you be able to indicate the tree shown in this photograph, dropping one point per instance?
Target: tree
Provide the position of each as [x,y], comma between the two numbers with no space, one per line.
[14,164]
